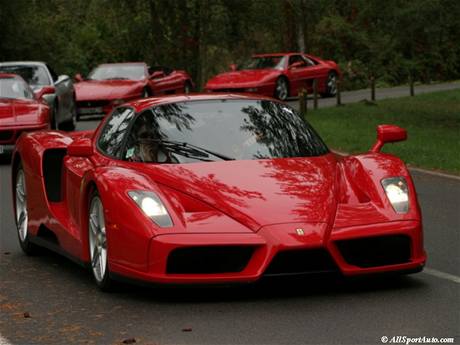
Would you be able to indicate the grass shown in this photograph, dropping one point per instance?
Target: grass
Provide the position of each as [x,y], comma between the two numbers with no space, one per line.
[431,120]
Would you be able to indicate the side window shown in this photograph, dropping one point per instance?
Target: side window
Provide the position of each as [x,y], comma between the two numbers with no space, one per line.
[296,58]
[111,139]
[309,61]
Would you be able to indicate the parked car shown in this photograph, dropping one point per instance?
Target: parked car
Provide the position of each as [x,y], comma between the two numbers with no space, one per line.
[20,110]
[214,189]
[281,75]
[39,75]
[109,85]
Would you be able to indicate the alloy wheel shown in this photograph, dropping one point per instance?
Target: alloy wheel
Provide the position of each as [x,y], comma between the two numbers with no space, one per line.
[22,217]
[97,239]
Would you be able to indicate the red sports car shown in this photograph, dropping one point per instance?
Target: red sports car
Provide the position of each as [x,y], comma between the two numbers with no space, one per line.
[110,85]
[20,110]
[281,75]
[214,189]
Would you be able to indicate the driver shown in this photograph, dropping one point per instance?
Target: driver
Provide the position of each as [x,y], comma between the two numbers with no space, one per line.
[146,145]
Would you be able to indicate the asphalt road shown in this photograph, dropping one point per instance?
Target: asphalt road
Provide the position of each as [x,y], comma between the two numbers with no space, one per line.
[381,93]
[49,300]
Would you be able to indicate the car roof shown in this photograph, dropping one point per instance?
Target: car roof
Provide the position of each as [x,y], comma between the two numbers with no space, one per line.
[146,103]
[22,63]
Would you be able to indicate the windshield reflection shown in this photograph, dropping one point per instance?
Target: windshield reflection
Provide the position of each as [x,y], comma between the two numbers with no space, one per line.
[241,129]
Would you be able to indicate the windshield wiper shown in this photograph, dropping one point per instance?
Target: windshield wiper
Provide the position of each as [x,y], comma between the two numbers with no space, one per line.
[189,150]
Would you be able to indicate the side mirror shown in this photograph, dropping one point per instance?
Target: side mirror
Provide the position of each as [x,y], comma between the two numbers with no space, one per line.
[157,74]
[78,78]
[297,64]
[233,67]
[81,147]
[388,134]
[45,90]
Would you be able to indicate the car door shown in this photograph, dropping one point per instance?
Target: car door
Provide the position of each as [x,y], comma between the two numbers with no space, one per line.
[296,73]
[312,71]
[164,81]
[64,94]
[110,142]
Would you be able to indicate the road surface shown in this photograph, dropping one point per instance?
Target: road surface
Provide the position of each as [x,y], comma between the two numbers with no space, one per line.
[49,300]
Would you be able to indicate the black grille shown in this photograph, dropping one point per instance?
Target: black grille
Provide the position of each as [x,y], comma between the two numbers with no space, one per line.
[376,251]
[301,262]
[209,260]
[92,104]
[6,135]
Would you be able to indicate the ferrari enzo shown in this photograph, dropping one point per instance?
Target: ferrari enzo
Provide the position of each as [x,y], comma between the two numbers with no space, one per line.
[214,189]
[40,75]
[281,75]
[109,85]
[20,110]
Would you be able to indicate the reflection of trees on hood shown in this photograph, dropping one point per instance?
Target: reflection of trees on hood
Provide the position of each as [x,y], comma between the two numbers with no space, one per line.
[282,131]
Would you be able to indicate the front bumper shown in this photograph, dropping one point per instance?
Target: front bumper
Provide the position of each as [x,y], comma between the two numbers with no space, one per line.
[282,249]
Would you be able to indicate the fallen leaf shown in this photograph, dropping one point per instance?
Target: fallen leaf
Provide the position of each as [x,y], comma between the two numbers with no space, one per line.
[187,329]
[26,314]
[129,341]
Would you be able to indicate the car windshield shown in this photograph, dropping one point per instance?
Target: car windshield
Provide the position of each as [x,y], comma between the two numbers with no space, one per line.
[14,88]
[121,71]
[221,130]
[34,75]
[271,62]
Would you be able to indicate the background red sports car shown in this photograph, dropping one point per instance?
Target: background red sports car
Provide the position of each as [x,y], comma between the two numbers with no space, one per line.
[109,85]
[20,110]
[161,192]
[281,75]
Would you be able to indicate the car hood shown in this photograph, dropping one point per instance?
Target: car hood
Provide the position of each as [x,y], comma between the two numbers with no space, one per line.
[244,78]
[258,192]
[15,111]
[107,89]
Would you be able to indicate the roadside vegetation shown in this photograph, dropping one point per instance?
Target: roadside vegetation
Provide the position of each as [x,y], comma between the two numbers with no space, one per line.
[431,120]
[385,39]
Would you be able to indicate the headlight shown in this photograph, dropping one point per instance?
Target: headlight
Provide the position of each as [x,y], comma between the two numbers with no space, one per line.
[397,193]
[152,207]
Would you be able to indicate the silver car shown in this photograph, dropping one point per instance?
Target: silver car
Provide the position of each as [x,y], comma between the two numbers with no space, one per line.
[38,75]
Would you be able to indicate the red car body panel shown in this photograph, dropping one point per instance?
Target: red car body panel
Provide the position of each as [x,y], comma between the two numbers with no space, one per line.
[18,115]
[256,204]
[99,97]
[263,81]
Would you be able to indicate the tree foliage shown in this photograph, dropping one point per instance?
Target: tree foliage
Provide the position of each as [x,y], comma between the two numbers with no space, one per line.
[385,39]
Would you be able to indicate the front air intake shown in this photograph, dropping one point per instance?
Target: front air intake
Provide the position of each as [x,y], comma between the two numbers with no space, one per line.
[209,259]
[301,262]
[376,251]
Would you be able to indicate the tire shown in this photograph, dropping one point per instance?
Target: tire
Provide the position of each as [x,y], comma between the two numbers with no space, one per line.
[21,214]
[282,89]
[331,85]
[97,243]
[188,87]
